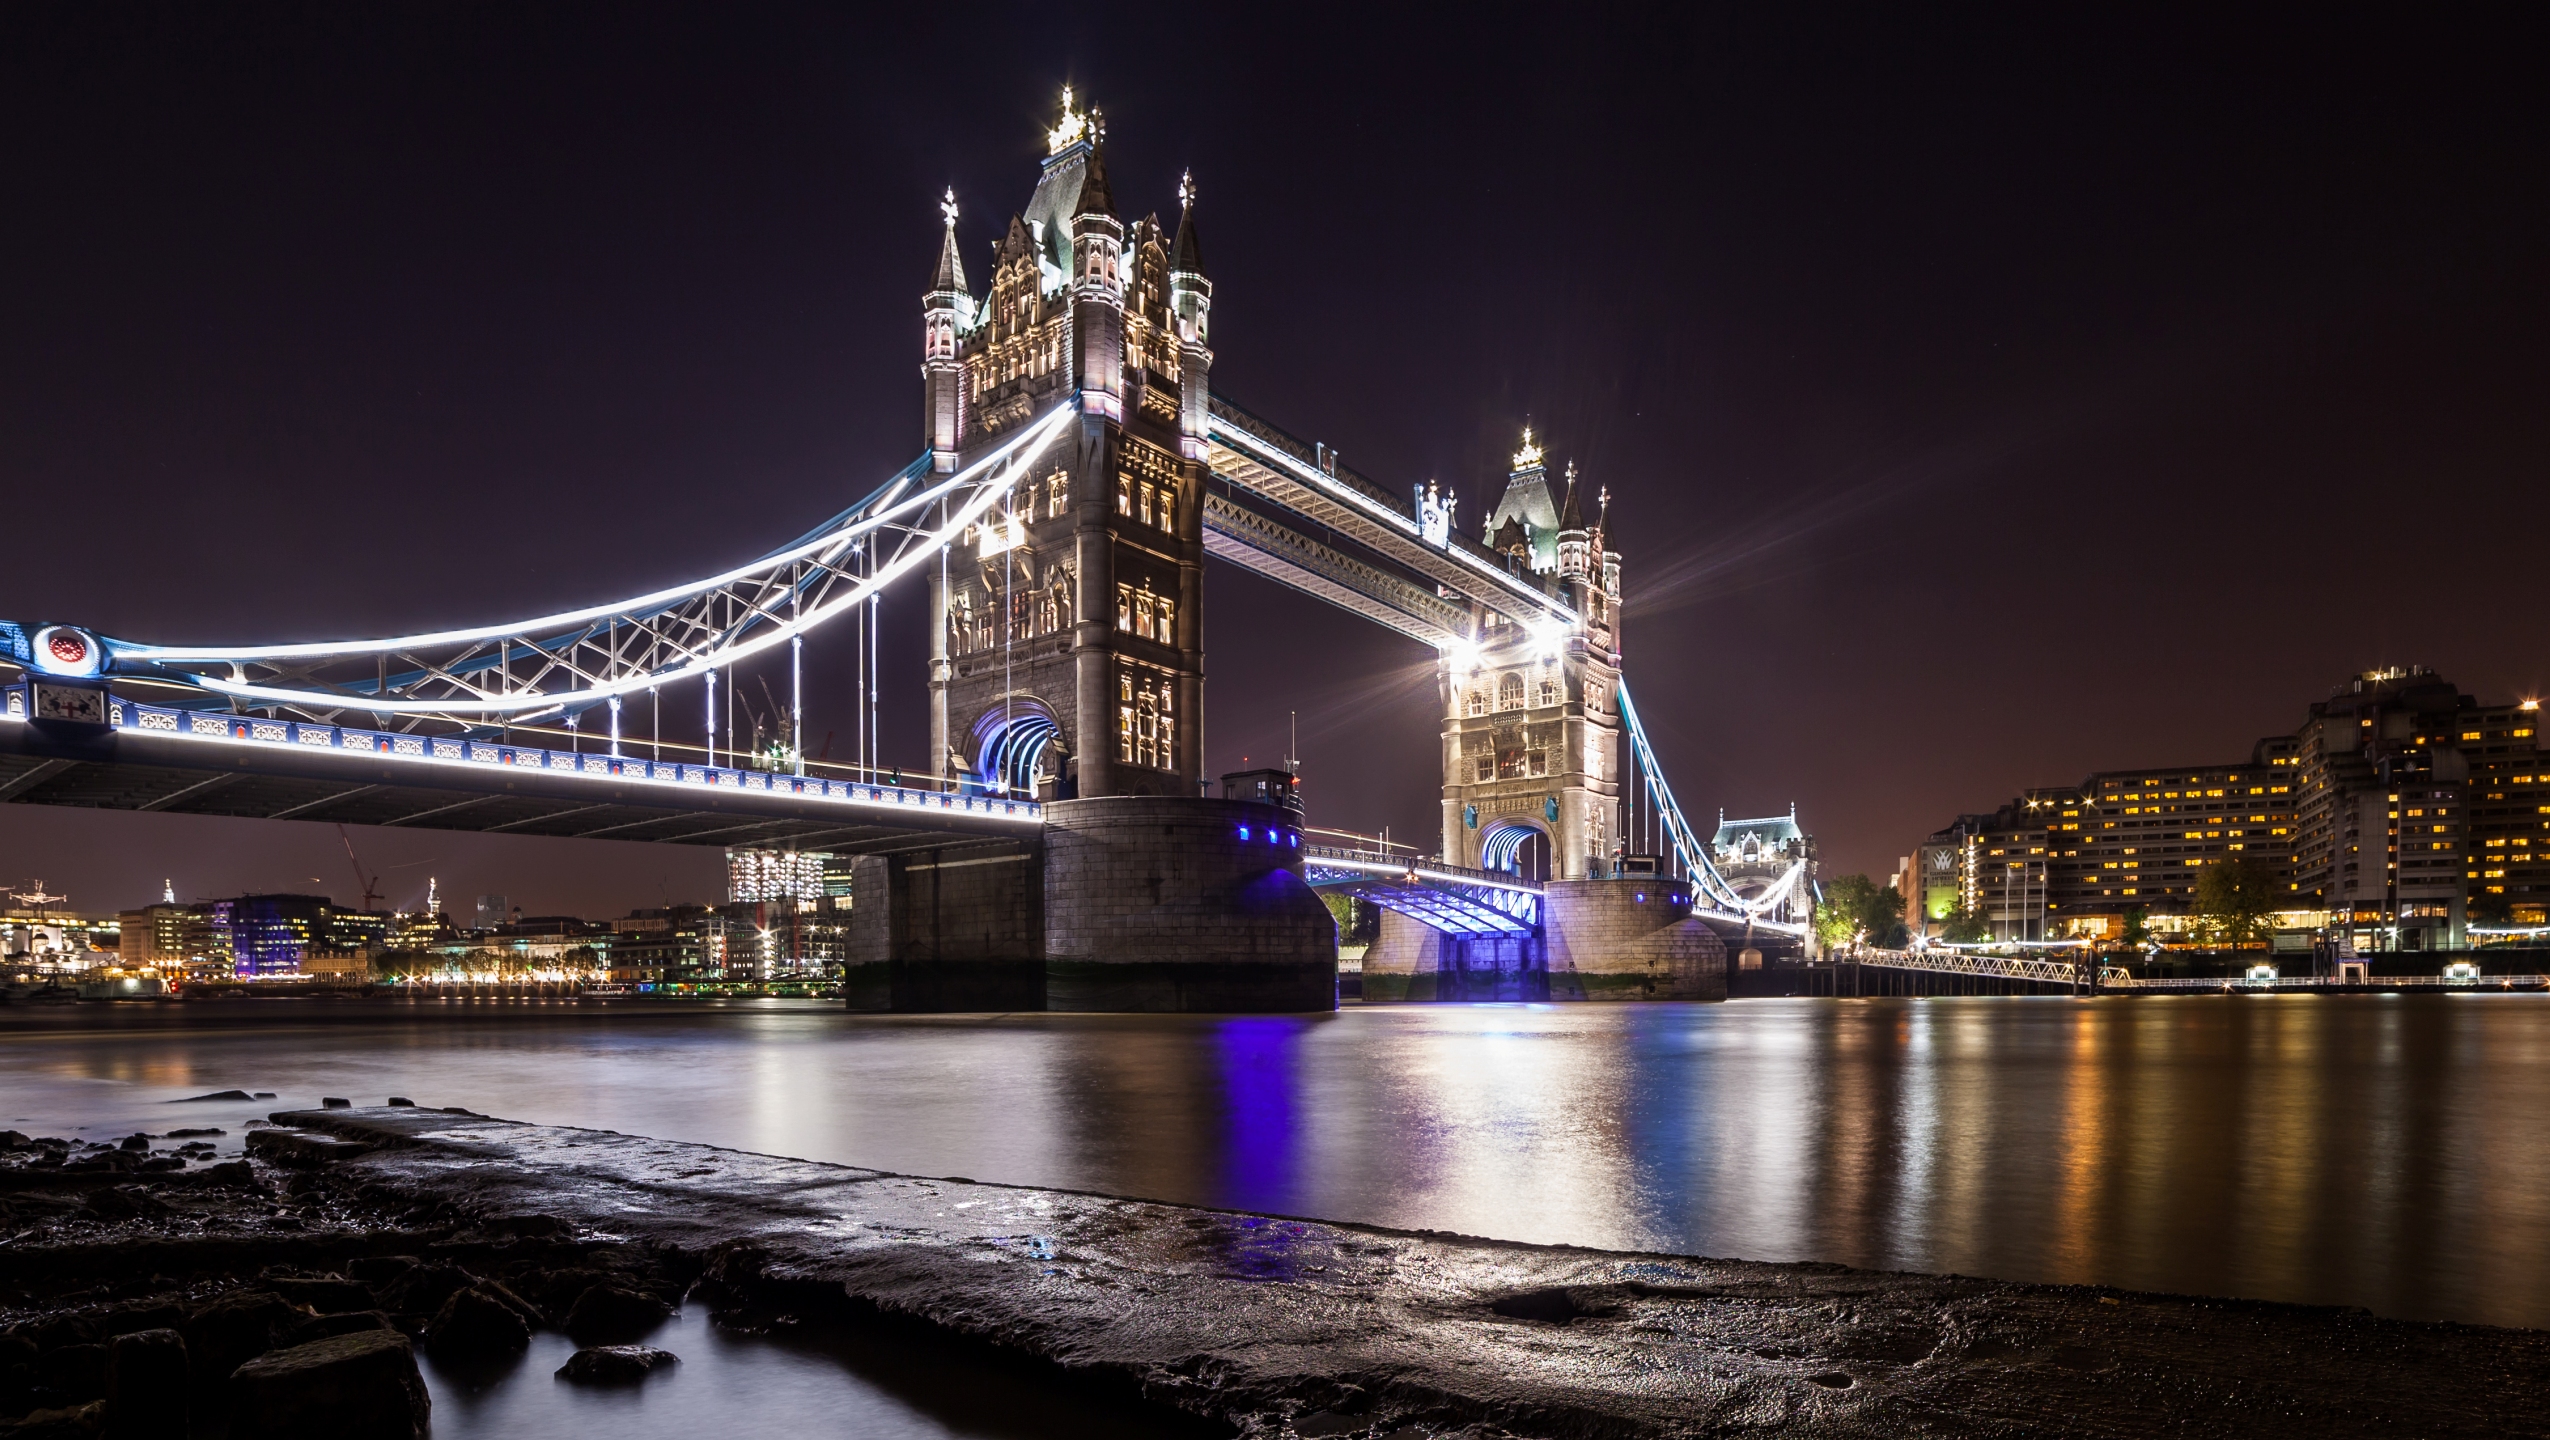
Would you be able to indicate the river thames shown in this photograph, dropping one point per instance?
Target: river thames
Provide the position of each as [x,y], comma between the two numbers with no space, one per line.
[2388,1152]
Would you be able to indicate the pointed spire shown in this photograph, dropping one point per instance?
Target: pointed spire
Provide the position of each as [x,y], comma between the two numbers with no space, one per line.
[1187,256]
[1571,516]
[1095,198]
[951,272]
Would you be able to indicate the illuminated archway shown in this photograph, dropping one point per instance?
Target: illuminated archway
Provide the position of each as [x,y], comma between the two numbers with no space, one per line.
[1012,745]
[1516,846]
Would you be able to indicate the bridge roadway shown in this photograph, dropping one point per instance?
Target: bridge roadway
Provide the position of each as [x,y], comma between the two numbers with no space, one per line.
[194,762]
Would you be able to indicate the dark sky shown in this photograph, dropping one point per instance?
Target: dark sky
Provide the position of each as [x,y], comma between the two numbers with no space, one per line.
[1985,397]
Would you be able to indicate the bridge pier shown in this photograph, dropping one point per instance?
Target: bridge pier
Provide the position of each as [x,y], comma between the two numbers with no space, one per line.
[1626,939]
[1128,903]
[1630,938]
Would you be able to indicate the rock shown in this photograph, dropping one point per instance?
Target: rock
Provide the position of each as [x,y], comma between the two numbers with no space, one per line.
[162,1164]
[191,1131]
[558,1290]
[122,1202]
[615,1364]
[379,1270]
[14,1140]
[233,1328]
[475,1323]
[530,1313]
[160,1314]
[135,1141]
[70,1423]
[232,1172]
[146,1385]
[329,1295]
[221,1095]
[362,1386]
[262,1095]
[423,1289]
[402,1100]
[322,1327]
[302,1147]
[614,1314]
[335,1102]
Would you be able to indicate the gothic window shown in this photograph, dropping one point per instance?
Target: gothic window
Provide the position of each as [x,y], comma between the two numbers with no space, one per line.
[1124,493]
[1124,718]
[1146,728]
[1540,762]
[1057,494]
[1475,703]
[1509,693]
[1058,604]
[1166,625]
[1147,493]
[1549,691]
[1487,767]
[1124,608]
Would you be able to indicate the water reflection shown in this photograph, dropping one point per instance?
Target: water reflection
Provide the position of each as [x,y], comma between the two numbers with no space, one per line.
[2387,1152]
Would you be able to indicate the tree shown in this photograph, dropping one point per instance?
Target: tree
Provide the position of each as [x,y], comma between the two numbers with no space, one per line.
[2234,896]
[1856,908]
[1961,926]
[2137,926]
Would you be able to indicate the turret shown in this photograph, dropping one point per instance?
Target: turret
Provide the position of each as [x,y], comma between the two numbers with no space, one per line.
[1527,506]
[1575,557]
[1191,309]
[947,312]
[1074,215]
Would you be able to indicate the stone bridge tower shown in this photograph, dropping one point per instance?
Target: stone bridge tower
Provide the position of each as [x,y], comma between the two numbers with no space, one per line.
[1531,719]
[1067,640]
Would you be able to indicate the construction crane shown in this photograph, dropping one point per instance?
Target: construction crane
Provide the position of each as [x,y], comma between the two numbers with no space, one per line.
[371,890]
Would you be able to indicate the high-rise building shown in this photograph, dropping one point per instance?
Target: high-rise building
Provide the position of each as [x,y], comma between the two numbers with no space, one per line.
[795,877]
[1066,646]
[2397,811]
[493,911]
[153,937]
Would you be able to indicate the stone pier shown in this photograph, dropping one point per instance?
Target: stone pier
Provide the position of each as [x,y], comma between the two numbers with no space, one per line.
[1128,903]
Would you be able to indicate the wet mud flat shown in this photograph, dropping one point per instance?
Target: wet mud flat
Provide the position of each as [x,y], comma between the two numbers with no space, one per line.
[1198,1320]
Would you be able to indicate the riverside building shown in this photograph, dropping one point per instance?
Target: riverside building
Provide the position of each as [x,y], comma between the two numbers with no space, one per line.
[2397,812]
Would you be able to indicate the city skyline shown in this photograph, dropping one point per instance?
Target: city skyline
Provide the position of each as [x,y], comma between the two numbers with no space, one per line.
[1924,483]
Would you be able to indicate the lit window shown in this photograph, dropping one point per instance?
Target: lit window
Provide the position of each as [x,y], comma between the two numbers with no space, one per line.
[1509,692]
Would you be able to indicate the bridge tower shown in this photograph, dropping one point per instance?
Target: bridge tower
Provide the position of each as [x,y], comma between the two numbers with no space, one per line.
[1066,632]
[1531,720]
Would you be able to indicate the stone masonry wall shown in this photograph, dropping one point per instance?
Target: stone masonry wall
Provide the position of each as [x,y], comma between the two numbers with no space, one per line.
[1156,903]
[1629,939]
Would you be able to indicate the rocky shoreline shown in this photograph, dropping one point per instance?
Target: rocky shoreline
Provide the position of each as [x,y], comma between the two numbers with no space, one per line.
[349,1235]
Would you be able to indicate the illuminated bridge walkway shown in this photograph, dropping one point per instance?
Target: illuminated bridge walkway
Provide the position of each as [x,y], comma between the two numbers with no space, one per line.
[1453,899]
[549,725]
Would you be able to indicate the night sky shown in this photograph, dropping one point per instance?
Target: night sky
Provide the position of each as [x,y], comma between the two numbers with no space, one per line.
[1985,399]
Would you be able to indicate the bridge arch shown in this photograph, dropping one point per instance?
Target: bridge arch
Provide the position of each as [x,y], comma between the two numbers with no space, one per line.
[1014,744]
[1518,845]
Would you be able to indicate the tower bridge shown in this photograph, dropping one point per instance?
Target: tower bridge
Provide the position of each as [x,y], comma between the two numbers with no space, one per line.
[1057,848]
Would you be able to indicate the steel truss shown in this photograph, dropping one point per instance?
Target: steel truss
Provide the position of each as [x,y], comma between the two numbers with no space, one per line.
[2002,967]
[562,664]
